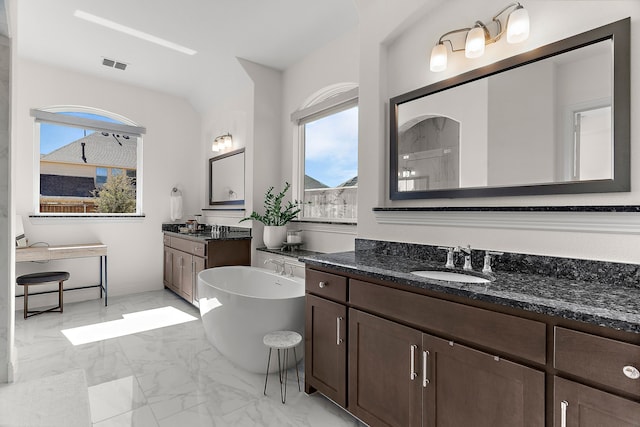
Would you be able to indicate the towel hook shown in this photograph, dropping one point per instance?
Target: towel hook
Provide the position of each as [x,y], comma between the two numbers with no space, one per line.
[176,192]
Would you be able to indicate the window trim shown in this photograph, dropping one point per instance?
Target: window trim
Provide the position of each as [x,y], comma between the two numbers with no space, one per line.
[129,128]
[51,116]
[334,100]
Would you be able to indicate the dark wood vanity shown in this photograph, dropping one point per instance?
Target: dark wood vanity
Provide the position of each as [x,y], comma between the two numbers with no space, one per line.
[186,255]
[395,355]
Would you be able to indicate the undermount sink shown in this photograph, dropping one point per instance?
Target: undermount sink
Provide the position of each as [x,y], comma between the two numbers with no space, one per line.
[450,276]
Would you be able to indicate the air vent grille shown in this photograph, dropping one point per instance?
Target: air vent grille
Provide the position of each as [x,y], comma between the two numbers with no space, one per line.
[111,63]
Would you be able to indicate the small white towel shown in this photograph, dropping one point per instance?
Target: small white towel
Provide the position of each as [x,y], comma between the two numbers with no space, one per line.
[176,206]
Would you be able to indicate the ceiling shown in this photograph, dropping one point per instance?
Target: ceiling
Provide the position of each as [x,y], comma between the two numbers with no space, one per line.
[275,33]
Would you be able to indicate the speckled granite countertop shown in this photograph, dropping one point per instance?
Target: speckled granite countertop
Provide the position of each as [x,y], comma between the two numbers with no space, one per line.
[616,307]
[205,237]
[295,253]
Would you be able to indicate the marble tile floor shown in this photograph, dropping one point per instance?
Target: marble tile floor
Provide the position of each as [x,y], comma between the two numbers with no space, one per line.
[169,376]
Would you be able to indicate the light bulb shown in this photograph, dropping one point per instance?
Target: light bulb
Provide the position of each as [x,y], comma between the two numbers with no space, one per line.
[518,25]
[228,142]
[438,58]
[474,46]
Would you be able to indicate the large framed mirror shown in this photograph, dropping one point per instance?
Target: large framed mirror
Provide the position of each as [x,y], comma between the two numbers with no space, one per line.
[226,179]
[555,120]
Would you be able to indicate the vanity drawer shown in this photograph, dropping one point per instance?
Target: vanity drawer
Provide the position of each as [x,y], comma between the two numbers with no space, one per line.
[603,360]
[189,246]
[167,240]
[326,285]
[503,333]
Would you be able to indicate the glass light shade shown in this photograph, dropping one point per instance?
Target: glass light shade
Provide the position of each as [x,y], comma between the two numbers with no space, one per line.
[214,146]
[518,25]
[438,60]
[228,142]
[474,46]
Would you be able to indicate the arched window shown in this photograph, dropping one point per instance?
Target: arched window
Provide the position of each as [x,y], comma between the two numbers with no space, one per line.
[327,163]
[90,162]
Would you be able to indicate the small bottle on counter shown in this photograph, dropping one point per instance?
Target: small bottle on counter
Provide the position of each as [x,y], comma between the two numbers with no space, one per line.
[293,236]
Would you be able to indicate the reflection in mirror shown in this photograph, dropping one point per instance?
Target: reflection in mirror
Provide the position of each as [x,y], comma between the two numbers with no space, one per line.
[534,126]
[226,178]
[428,153]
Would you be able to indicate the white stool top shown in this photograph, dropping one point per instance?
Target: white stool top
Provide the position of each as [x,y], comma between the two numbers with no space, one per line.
[282,339]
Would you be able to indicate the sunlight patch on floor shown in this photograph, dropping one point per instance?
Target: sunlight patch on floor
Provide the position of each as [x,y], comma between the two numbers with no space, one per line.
[131,323]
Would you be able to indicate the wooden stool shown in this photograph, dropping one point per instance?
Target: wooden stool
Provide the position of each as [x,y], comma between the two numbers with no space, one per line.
[282,340]
[39,279]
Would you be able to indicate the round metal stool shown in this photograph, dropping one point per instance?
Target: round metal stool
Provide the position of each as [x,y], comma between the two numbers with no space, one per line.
[39,279]
[282,340]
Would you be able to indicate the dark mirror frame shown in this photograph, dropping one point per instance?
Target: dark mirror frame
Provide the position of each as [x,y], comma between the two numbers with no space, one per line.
[619,33]
[213,202]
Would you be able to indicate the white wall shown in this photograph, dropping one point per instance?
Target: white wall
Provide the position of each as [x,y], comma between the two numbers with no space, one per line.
[254,115]
[6,231]
[170,158]
[395,41]
[233,115]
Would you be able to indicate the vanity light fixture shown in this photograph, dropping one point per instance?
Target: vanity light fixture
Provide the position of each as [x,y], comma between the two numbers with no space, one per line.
[515,24]
[222,142]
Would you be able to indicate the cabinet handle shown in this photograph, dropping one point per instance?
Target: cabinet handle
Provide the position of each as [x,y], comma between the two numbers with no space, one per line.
[413,374]
[563,413]
[425,363]
[631,372]
[338,323]
[322,284]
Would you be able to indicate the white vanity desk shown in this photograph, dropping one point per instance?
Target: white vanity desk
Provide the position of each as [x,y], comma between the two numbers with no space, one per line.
[81,250]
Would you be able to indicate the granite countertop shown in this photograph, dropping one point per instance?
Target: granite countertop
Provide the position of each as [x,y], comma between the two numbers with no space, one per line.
[293,252]
[616,307]
[207,236]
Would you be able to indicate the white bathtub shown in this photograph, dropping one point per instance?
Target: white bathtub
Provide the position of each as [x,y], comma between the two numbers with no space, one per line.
[239,305]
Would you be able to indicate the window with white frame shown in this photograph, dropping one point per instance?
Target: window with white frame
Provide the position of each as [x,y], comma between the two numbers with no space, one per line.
[327,180]
[89,162]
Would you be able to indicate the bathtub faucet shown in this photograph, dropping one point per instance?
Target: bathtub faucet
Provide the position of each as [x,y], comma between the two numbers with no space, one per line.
[278,263]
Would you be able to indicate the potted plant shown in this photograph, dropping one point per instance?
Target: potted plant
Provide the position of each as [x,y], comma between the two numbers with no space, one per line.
[275,217]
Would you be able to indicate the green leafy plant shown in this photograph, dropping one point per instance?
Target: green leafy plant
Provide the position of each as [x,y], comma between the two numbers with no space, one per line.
[117,195]
[274,211]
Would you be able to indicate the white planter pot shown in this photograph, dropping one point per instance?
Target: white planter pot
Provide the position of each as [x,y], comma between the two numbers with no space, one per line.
[274,236]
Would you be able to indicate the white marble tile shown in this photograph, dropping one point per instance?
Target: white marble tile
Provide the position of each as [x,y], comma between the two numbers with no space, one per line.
[115,398]
[57,400]
[141,417]
[169,376]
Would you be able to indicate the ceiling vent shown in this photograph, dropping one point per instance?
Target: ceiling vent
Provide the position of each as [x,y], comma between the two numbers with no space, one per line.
[114,64]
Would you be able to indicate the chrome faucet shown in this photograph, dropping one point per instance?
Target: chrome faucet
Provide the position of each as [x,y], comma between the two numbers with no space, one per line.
[487,261]
[467,257]
[450,251]
[278,263]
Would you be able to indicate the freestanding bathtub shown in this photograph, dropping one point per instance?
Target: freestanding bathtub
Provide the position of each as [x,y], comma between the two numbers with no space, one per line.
[239,305]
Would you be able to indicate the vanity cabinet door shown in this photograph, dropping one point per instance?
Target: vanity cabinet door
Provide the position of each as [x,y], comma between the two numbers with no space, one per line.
[182,270]
[186,280]
[175,277]
[325,366]
[384,371]
[467,387]
[198,266]
[167,276]
[576,405]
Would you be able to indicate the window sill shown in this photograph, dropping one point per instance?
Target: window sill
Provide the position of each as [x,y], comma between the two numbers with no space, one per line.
[324,222]
[87,217]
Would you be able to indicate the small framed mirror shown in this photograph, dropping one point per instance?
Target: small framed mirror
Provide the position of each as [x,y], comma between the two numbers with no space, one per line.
[555,120]
[226,179]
